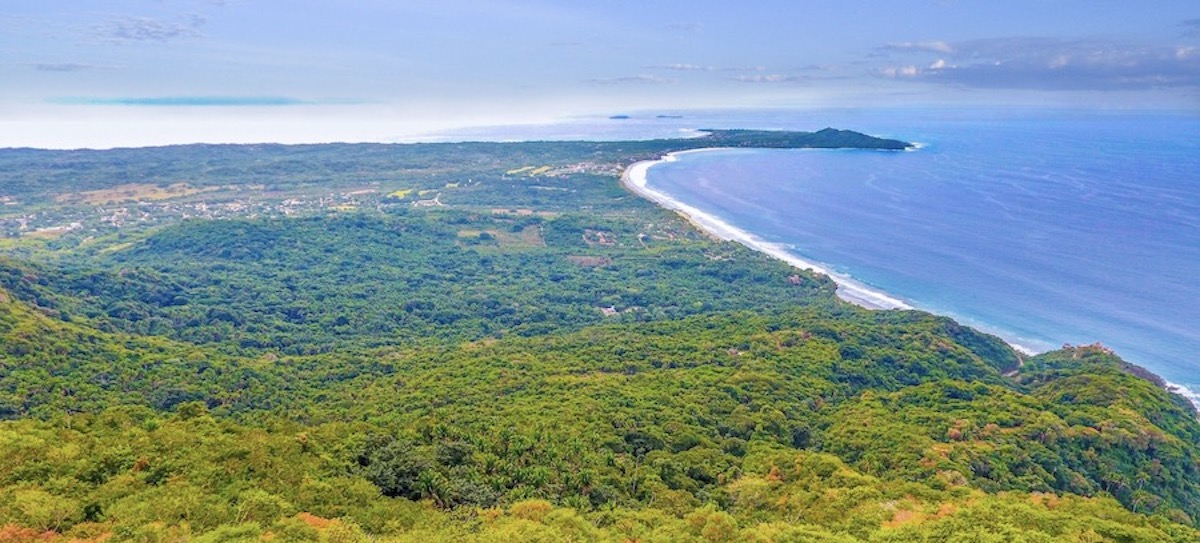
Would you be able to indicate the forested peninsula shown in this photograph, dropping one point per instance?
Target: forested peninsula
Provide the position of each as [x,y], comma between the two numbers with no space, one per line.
[497,342]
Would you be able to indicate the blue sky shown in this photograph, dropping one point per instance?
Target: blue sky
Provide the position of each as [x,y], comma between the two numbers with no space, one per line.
[125,72]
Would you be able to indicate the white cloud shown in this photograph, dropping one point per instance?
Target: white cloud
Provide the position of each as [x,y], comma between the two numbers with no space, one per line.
[930,46]
[686,67]
[899,72]
[765,78]
[635,79]
[1048,63]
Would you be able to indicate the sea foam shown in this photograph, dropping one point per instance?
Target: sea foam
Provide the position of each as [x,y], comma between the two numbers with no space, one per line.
[1190,394]
[850,290]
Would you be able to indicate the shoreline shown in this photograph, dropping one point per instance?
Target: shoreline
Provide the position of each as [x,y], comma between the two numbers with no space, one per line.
[849,290]
[634,179]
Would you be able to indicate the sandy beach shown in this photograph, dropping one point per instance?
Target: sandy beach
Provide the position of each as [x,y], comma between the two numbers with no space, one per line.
[848,289]
[634,179]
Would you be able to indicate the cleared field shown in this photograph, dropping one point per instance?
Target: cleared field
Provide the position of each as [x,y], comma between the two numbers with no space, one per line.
[530,236]
[132,192]
[47,233]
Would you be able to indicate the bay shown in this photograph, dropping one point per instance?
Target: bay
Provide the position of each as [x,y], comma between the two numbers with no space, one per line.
[1042,227]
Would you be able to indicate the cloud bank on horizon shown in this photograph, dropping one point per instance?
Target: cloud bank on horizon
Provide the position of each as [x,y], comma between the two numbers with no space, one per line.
[1052,64]
[374,70]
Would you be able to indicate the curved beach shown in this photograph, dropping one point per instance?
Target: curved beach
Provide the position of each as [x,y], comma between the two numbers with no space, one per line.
[634,179]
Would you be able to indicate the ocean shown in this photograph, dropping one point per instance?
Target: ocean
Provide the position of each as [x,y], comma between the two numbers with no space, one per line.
[1042,227]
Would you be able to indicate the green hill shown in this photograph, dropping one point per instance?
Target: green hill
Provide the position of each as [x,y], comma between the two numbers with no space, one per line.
[578,375]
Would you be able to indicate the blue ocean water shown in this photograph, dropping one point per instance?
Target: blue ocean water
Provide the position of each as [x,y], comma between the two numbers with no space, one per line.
[1042,227]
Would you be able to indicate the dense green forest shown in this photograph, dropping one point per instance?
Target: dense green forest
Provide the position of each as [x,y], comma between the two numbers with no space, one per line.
[495,342]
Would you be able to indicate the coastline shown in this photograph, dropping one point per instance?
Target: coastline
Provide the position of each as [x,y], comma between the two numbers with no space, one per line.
[634,179]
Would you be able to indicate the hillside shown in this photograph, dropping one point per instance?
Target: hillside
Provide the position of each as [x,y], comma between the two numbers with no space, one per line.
[586,368]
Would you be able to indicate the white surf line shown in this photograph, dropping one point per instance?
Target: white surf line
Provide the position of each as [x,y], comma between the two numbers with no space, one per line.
[634,178]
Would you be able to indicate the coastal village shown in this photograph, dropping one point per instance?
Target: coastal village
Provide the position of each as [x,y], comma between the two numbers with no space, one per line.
[100,212]
[100,219]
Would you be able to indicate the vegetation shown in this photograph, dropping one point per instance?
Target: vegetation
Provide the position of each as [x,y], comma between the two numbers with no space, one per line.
[827,138]
[537,356]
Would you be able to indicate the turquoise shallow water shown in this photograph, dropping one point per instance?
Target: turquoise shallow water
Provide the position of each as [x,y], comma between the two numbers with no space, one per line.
[1044,227]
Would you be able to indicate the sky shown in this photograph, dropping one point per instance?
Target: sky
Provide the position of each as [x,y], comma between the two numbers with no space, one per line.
[104,73]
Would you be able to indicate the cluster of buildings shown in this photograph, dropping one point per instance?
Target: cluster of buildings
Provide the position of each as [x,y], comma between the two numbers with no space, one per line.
[59,220]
